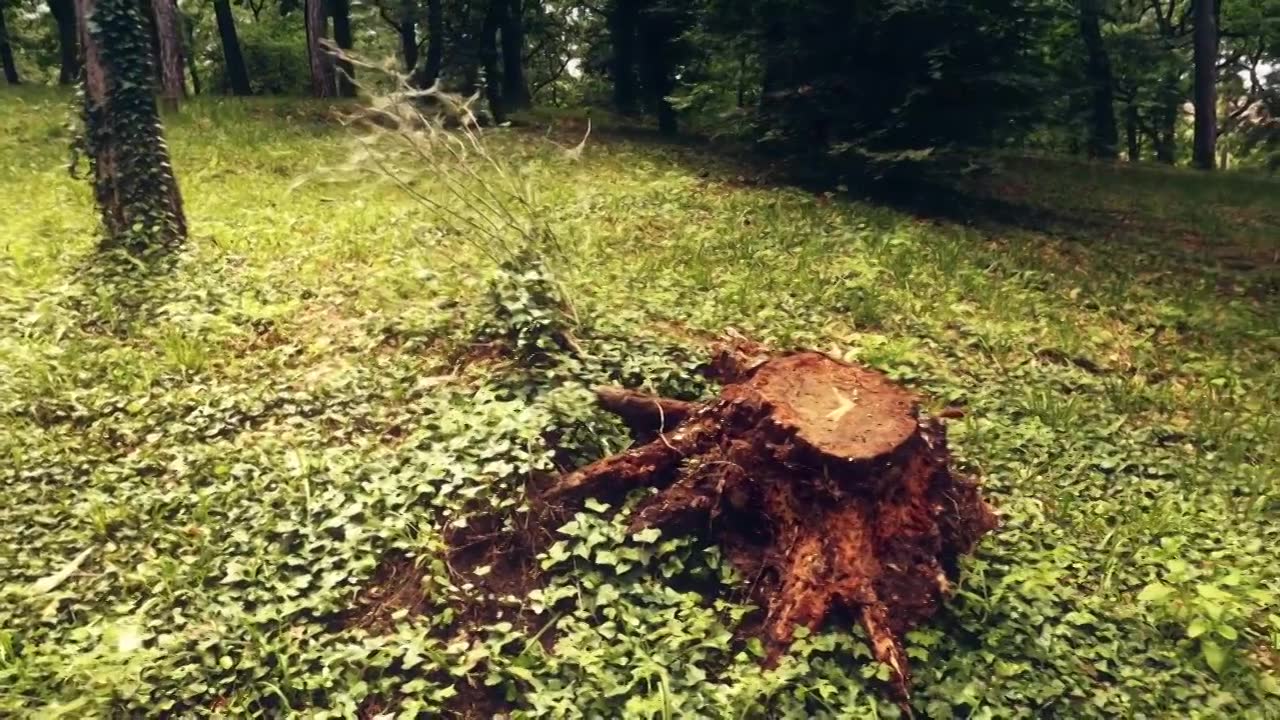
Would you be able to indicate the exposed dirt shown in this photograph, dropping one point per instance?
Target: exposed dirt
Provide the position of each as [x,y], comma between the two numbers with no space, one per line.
[819,480]
[396,585]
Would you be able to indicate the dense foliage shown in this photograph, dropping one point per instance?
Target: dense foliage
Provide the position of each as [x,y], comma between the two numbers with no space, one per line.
[860,86]
[216,469]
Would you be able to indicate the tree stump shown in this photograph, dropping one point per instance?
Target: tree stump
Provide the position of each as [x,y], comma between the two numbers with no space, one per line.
[820,480]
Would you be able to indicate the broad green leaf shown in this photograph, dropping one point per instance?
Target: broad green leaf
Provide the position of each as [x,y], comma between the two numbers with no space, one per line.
[1155,592]
[1214,655]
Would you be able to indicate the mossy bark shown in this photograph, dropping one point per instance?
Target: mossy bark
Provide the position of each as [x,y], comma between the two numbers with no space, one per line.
[133,181]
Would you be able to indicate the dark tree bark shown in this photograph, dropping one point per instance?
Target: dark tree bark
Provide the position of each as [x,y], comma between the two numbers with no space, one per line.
[624,19]
[426,75]
[488,51]
[1204,149]
[6,52]
[169,55]
[1131,132]
[515,89]
[342,36]
[64,14]
[407,29]
[133,181]
[821,482]
[1102,130]
[233,59]
[319,58]
[657,35]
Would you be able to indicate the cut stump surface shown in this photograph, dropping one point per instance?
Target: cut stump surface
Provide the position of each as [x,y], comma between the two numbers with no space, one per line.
[822,483]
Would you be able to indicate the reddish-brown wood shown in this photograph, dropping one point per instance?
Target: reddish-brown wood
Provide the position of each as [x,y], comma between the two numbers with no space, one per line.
[819,479]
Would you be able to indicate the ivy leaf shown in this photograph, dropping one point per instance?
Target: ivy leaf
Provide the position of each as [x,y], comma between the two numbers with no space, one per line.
[1214,655]
[1155,592]
[1209,591]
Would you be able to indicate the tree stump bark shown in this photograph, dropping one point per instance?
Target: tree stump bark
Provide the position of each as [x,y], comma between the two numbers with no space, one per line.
[819,479]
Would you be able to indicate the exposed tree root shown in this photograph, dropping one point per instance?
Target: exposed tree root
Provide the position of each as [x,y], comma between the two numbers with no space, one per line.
[816,476]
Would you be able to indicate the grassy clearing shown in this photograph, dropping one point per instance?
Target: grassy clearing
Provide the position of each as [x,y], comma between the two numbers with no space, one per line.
[262,455]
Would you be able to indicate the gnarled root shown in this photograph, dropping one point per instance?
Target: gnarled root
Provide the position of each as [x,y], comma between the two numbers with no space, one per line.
[817,475]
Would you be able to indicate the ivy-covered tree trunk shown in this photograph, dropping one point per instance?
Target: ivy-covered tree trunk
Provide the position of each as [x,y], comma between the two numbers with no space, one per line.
[515,89]
[624,17]
[6,52]
[342,36]
[1204,149]
[233,59]
[133,181]
[64,15]
[170,52]
[1102,129]
[320,60]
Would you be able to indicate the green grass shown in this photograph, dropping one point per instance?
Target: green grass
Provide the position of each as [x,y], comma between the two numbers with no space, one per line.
[238,444]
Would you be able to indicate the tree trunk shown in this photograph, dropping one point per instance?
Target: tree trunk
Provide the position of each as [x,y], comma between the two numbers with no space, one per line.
[515,89]
[488,46]
[233,59]
[1102,130]
[408,32]
[319,58]
[133,182]
[6,52]
[165,13]
[342,35]
[657,33]
[64,14]
[189,40]
[821,483]
[426,76]
[1166,135]
[623,21]
[1131,132]
[1204,152]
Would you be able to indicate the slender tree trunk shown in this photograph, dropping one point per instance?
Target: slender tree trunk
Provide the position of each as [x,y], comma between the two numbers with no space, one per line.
[657,34]
[515,89]
[319,58]
[189,40]
[132,180]
[1102,130]
[1166,130]
[233,59]
[166,17]
[488,45]
[1204,151]
[425,76]
[6,53]
[342,35]
[623,21]
[408,31]
[64,14]
[1131,132]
